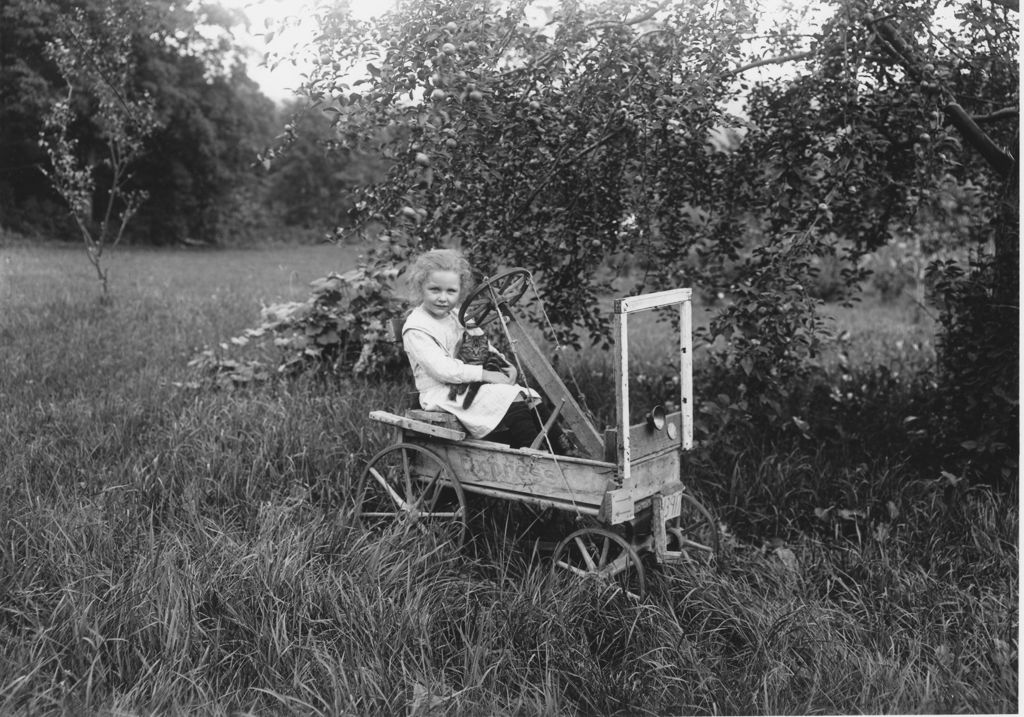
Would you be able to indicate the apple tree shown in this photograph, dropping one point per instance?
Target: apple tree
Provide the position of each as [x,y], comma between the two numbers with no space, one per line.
[903,122]
[94,58]
[544,136]
[574,139]
[571,137]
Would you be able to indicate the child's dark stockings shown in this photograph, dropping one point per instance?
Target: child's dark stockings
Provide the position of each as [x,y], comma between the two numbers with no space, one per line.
[521,425]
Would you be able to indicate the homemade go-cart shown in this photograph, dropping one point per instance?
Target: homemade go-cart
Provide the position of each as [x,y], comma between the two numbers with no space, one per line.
[624,493]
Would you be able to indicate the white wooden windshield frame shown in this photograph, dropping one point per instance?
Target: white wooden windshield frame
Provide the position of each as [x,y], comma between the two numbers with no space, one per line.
[645,302]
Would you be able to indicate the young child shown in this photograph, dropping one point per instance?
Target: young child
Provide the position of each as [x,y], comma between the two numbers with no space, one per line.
[503,410]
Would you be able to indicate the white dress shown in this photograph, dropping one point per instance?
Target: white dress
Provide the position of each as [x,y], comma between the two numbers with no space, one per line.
[431,345]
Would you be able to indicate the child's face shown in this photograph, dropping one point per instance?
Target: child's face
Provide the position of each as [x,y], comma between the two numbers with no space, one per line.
[441,293]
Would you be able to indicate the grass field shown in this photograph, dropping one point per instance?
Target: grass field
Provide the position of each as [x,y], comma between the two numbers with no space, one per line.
[173,551]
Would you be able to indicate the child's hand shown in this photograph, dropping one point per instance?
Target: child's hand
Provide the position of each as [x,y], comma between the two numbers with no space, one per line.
[497,377]
[511,372]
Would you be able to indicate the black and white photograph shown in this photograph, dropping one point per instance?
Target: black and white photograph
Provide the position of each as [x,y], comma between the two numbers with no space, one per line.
[501,358]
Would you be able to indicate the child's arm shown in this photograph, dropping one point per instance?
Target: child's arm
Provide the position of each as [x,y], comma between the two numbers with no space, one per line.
[426,352]
[499,377]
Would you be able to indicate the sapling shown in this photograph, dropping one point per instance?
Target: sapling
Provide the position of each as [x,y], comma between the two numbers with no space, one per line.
[95,60]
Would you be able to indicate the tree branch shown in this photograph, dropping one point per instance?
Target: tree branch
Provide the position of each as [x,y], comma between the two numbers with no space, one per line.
[898,47]
[1008,4]
[647,15]
[1001,114]
[643,17]
[999,159]
[558,165]
[771,61]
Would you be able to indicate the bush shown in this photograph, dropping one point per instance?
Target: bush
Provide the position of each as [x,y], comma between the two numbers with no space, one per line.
[979,372]
[828,282]
[343,328]
[892,272]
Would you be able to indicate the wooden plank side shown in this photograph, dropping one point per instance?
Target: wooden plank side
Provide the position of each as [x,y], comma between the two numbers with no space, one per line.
[566,479]
[411,424]
[643,441]
[686,372]
[653,475]
[552,386]
[618,506]
[440,418]
[653,300]
[623,449]
[540,501]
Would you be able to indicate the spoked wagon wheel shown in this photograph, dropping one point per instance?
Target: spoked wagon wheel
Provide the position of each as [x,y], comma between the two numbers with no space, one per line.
[508,287]
[602,554]
[693,534]
[410,486]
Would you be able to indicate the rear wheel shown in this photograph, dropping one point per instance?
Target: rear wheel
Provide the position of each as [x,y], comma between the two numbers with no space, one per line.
[411,488]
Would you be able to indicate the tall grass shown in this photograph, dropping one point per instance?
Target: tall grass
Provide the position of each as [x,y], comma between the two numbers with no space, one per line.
[167,550]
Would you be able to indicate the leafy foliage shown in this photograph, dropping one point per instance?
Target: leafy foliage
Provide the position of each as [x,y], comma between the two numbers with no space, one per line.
[343,328]
[312,182]
[556,137]
[544,146]
[979,373]
[772,332]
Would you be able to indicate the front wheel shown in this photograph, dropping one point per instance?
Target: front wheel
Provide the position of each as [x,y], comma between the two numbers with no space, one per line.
[600,554]
[693,534]
[412,488]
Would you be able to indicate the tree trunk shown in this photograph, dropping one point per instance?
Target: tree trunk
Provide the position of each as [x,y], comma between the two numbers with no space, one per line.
[1007,244]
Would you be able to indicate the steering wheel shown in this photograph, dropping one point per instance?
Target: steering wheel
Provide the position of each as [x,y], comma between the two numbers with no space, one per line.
[508,287]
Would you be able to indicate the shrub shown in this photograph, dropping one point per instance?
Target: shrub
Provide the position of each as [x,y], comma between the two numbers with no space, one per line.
[762,346]
[979,363]
[342,328]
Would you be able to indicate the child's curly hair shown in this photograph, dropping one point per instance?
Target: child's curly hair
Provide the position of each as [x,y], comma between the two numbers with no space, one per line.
[440,260]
